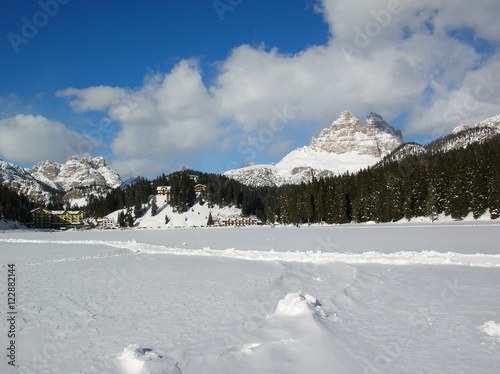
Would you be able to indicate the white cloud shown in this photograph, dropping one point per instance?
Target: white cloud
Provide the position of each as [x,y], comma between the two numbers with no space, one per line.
[476,99]
[30,139]
[171,114]
[387,56]
[92,98]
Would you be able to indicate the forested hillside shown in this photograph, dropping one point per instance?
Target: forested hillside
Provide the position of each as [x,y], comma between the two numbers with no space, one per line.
[13,205]
[455,183]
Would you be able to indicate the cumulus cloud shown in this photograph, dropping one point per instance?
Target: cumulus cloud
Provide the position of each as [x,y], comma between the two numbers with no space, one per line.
[477,98]
[393,57]
[169,115]
[30,139]
[92,98]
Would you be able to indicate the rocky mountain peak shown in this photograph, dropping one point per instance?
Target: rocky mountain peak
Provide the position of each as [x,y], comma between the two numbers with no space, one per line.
[346,120]
[75,174]
[348,135]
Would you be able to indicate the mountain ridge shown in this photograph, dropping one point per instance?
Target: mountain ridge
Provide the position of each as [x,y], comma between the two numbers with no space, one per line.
[74,179]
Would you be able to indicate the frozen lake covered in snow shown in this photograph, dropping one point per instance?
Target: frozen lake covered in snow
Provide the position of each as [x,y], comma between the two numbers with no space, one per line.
[394,298]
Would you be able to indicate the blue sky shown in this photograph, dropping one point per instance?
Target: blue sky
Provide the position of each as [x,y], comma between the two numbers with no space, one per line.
[154,86]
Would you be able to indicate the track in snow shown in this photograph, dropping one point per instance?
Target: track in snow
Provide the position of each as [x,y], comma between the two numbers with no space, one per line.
[312,257]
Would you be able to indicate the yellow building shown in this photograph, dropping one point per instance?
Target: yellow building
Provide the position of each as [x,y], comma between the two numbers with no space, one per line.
[42,218]
[46,219]
[68,217]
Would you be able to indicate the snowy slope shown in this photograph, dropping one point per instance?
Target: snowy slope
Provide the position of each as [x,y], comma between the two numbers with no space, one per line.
[346,146]
[351,299]
[197,216]
[301,165]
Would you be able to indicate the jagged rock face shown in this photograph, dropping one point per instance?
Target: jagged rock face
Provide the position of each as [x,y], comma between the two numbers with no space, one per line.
[74,179]
[20,179]
[348,135]
[89,172]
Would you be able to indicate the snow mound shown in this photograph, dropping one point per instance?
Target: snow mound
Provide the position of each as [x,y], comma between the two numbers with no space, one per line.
[491,328]
[296,338]
[138,360]
[297,303]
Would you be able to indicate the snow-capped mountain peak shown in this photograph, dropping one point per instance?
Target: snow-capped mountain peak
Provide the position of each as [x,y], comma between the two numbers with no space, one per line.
[75,178]
[87,172]
[346,146]
[348,135]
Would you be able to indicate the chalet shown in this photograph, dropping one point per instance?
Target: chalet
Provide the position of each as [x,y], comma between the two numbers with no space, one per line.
[200,188]
[163,190]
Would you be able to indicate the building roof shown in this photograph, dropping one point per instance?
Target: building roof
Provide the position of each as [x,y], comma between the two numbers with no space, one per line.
[36,209]
[57,212]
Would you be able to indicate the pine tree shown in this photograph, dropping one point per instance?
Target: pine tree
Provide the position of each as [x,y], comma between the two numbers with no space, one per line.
[430,202]
[121,219]
[130,220]
[154,207]
[137,205]
[210,221]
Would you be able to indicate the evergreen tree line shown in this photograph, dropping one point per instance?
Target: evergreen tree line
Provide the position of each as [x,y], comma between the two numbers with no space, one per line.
[13,205]
[131,199]
[455,183]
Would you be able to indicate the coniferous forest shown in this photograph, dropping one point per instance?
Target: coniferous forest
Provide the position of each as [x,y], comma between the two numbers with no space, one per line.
[456,183]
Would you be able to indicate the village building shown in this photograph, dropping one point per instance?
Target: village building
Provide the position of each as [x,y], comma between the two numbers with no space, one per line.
[200,188]
[163,190]
[106,223]
[42,218]
[47,219]
[238,221]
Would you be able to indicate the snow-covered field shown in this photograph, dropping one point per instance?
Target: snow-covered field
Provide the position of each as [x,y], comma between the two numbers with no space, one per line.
[400,298]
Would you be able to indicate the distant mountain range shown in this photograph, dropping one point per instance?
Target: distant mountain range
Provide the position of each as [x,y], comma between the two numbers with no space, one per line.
[349,146]
[73,180]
